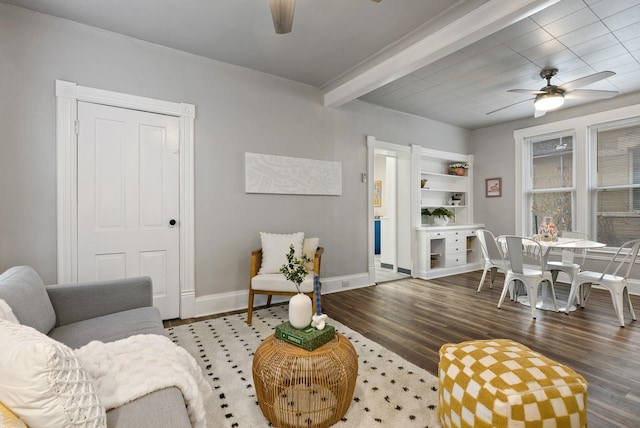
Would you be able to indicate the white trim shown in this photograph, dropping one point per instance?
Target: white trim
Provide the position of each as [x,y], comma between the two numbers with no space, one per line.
[67,96]
[464,24]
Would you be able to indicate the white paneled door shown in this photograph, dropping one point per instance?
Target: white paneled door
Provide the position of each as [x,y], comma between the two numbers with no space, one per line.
[128,199]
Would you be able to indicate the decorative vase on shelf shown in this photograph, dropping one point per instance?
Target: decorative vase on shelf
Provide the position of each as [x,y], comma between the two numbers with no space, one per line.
[300,311]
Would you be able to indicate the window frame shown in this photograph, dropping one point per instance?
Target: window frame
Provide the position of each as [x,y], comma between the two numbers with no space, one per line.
[584,157]
[529,191]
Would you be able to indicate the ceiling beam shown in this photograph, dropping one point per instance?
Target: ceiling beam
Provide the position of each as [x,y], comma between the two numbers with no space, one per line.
[460,26]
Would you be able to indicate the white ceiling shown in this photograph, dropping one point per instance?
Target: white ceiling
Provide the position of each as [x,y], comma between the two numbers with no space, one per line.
[351,47]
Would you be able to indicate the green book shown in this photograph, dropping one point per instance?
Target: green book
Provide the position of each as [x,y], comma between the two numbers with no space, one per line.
[308,338]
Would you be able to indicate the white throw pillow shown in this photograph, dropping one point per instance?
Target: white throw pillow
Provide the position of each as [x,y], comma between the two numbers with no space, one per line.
[275,247]
[309,247]
[43,383]
[6,313]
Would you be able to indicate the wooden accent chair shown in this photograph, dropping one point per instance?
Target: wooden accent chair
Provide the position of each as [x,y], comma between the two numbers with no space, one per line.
[275,284]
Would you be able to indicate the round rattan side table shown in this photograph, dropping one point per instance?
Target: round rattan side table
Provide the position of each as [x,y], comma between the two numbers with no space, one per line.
[299,388]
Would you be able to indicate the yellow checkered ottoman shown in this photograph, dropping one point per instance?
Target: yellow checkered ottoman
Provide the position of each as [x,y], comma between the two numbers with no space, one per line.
[501,383]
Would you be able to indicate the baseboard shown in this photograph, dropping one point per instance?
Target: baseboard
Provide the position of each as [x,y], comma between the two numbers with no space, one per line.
[237,300]
[187,304]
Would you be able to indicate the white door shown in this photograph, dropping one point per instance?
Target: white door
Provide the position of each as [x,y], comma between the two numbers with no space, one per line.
[128,199]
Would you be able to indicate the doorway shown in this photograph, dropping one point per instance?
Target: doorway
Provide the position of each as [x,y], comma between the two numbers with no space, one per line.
[390,213]
[181,118]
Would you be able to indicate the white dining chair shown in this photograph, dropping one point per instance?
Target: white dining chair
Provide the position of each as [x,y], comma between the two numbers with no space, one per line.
[613,278]
[526,261]
[569,256]
[492,255]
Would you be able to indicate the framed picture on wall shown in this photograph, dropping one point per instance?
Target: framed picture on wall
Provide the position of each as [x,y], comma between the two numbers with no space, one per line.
[377,193]
[493,187]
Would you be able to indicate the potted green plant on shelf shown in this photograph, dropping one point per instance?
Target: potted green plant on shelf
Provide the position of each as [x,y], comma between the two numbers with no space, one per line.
[441,215]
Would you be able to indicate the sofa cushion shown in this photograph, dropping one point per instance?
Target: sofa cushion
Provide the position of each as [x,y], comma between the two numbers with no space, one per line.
[109,328]
[163,408]
[275,247]
[43,383]
[24,292]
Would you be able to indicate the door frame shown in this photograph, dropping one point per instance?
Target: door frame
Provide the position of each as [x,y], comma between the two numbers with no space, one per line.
[395,150]
[67,96]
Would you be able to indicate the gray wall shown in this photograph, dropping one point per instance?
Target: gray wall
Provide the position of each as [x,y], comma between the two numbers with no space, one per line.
[238,111]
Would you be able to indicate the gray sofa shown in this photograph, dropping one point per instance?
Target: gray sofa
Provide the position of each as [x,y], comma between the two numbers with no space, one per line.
[76,314]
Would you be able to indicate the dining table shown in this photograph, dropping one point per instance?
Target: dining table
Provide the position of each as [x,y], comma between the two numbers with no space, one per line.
[546,302]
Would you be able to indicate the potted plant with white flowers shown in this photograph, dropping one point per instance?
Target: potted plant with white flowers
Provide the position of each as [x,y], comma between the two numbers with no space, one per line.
[458,168]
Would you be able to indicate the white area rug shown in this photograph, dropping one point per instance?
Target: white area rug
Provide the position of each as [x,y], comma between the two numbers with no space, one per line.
[390,391]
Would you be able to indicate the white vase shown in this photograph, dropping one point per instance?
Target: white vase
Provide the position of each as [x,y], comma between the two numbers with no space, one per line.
[300,311]
[441,221]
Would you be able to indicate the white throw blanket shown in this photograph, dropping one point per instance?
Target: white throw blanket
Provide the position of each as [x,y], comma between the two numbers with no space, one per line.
[138,365]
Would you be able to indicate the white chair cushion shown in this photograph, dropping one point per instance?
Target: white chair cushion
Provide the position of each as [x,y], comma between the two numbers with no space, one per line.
[275,247]
[277,282]
[43,383]
[309,247]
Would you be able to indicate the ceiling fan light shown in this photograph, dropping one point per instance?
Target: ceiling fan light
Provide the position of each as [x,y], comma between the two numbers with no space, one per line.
[282,14]
[546,102]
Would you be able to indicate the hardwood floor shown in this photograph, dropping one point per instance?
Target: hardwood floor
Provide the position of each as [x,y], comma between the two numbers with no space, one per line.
[414,318]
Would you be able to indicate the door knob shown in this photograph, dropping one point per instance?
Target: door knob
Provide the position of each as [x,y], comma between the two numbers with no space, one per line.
[172,222]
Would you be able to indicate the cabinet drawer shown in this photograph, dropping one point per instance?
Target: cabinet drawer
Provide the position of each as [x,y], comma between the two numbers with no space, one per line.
[456,249]
[436,235]
[456,260]
[457,241]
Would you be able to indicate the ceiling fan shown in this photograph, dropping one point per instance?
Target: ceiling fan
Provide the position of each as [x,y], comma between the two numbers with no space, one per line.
[552,97]
[282,13]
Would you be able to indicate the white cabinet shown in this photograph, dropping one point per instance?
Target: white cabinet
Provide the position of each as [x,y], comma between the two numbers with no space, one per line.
[447,250]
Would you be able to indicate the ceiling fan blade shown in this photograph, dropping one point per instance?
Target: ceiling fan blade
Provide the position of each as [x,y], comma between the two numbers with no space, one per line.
[539,113]
[510,105]
[590,94]
[527,91]
[282,14]
[587,80]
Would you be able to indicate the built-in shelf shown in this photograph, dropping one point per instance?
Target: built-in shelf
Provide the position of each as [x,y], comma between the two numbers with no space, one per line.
[444,250]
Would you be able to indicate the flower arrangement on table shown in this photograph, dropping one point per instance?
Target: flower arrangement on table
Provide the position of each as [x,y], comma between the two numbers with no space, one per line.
[295,271]
[458,168]
[557,208]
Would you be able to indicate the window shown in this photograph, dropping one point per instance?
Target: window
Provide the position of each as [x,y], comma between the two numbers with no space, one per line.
[550,191]
[584,172]
[617,181]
